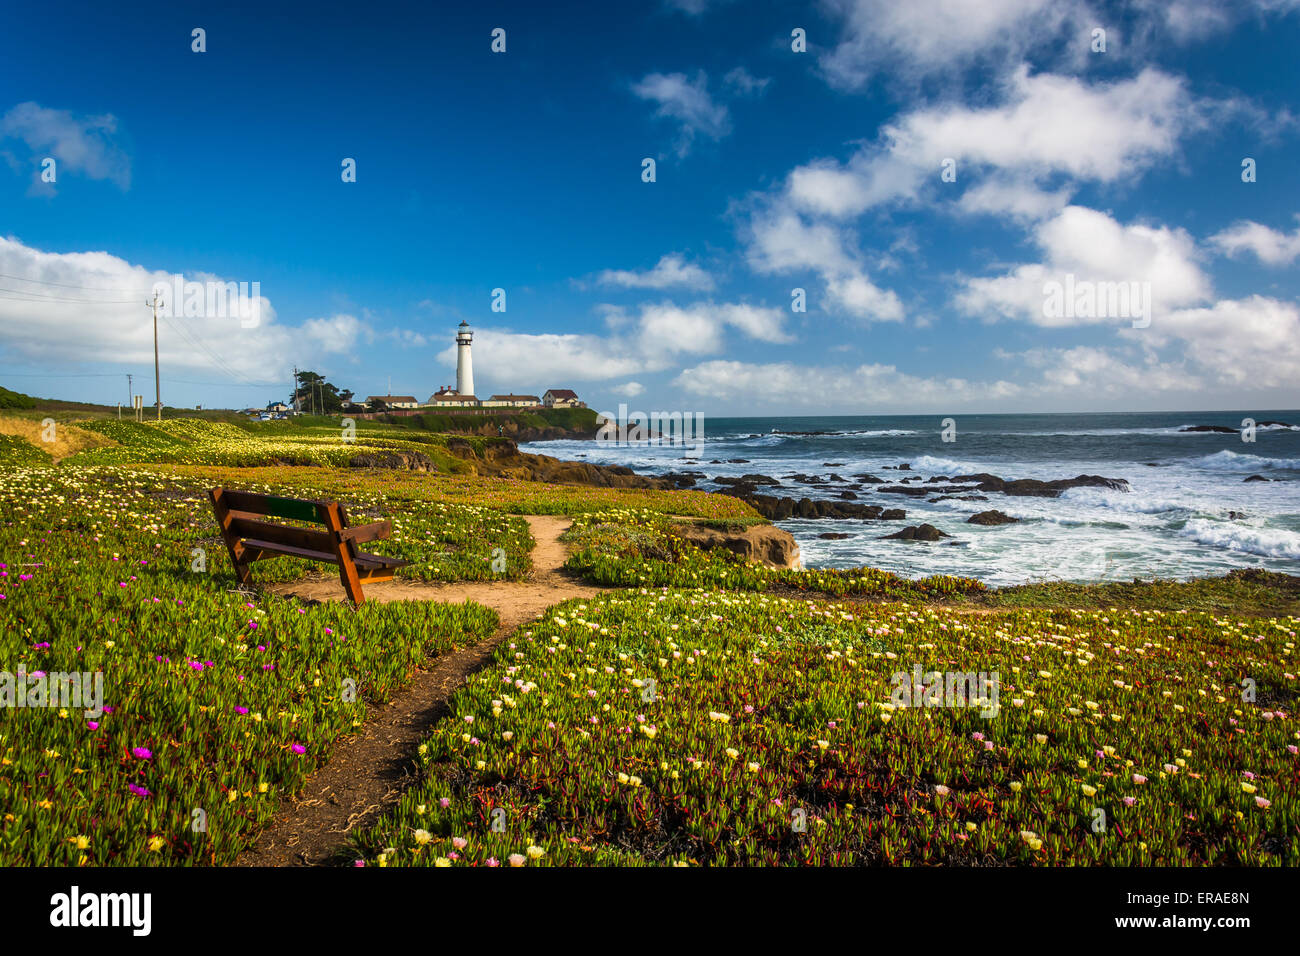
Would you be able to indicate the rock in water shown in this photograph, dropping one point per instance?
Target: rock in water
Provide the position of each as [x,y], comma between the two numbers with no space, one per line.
[991,517]
[921,532]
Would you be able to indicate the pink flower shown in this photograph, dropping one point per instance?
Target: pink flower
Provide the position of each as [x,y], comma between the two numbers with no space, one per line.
[92,724]
[1138,778]
[142,753]
[444,802]
[1129,801]
[298,749]
[493,861]
[1262,803]
[459,842]
[138,791]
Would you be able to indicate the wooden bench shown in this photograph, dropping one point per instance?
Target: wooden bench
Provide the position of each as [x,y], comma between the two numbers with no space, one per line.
[249,538]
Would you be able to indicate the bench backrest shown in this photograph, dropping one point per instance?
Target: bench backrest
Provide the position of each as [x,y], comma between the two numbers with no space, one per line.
[274,506]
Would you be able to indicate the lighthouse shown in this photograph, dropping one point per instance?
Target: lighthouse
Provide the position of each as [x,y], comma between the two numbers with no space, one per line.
[464,364]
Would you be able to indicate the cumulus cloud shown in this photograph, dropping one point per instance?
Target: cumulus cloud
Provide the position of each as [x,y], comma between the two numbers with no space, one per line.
[922,37]
[1092,247]
[1271,246]
[89,307]
[671,270]
[789,385]
[83,145]
[779,241]
[650,338]
[1251,342]
[1046,126]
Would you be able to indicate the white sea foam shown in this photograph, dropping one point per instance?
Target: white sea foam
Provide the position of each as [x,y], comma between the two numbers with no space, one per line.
[1236,461]
[1266,542]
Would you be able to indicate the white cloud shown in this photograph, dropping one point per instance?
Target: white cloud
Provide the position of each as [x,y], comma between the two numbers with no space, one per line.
[1252,342]
[744,83]
[787,385]
[88,307]
[687,102]
[82,145]
[1047,126]
[698,328]
[649,339]
[1093,247]
[780,241]
[920,37]
[1271,246]
[1021,201]
[671,270]
[339,333]
[629,390]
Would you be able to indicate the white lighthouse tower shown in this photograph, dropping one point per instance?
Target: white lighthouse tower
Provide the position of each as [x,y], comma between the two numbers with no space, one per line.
[464,364]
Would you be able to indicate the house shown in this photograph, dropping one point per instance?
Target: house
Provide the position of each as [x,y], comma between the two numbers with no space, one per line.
[381,402]
[447,397]
[562,398]
[277,408]
[353,408]
[511,401]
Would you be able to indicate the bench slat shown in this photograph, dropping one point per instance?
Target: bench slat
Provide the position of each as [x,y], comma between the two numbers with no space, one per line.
[275,547]
[281,534]
[297,509]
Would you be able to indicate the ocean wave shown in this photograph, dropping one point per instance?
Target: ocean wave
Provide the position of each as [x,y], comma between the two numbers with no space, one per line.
[1265,542]
[1129,502]
[946,466]
[1235,461]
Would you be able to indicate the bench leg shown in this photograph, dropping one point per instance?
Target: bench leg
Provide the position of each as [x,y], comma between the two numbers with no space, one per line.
[347,567]
[233,545]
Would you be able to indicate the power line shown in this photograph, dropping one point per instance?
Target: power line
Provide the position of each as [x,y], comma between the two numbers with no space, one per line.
[26,295]
[66,285]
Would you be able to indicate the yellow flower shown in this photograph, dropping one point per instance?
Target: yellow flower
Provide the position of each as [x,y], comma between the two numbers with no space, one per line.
[1089,791]
[156,844]
[1248,787]
[423,836]
[442,861]
[535,852]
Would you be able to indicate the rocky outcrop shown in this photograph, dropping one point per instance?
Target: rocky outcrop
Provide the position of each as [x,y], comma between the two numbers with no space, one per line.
[1256,478]
[764,543]
[501,457]
[1216,429]
[397,460]
[991,517]
[1017,487]
[779,509]
[921,532]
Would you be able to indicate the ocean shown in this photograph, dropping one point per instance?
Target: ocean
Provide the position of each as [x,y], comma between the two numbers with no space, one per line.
[1189,512]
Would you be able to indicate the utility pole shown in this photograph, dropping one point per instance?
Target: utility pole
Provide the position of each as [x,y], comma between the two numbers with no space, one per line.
[130,389]
[157,382]
[296,404]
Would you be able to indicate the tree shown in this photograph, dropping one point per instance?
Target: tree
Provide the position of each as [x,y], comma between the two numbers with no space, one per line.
[316,395]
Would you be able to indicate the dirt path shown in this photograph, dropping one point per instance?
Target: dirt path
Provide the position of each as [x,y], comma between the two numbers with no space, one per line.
[370,770]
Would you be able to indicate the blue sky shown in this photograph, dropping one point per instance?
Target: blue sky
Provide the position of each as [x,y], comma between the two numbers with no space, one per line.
[775,170]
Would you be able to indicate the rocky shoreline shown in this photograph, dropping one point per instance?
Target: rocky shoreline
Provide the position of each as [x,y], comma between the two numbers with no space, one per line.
[501,457]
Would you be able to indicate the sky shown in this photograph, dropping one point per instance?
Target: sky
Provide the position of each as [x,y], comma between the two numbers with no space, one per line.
[856,207]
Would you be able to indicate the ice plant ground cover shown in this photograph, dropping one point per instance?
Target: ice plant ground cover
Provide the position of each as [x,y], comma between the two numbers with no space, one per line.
[682,727]
[640,547]
[217,702]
